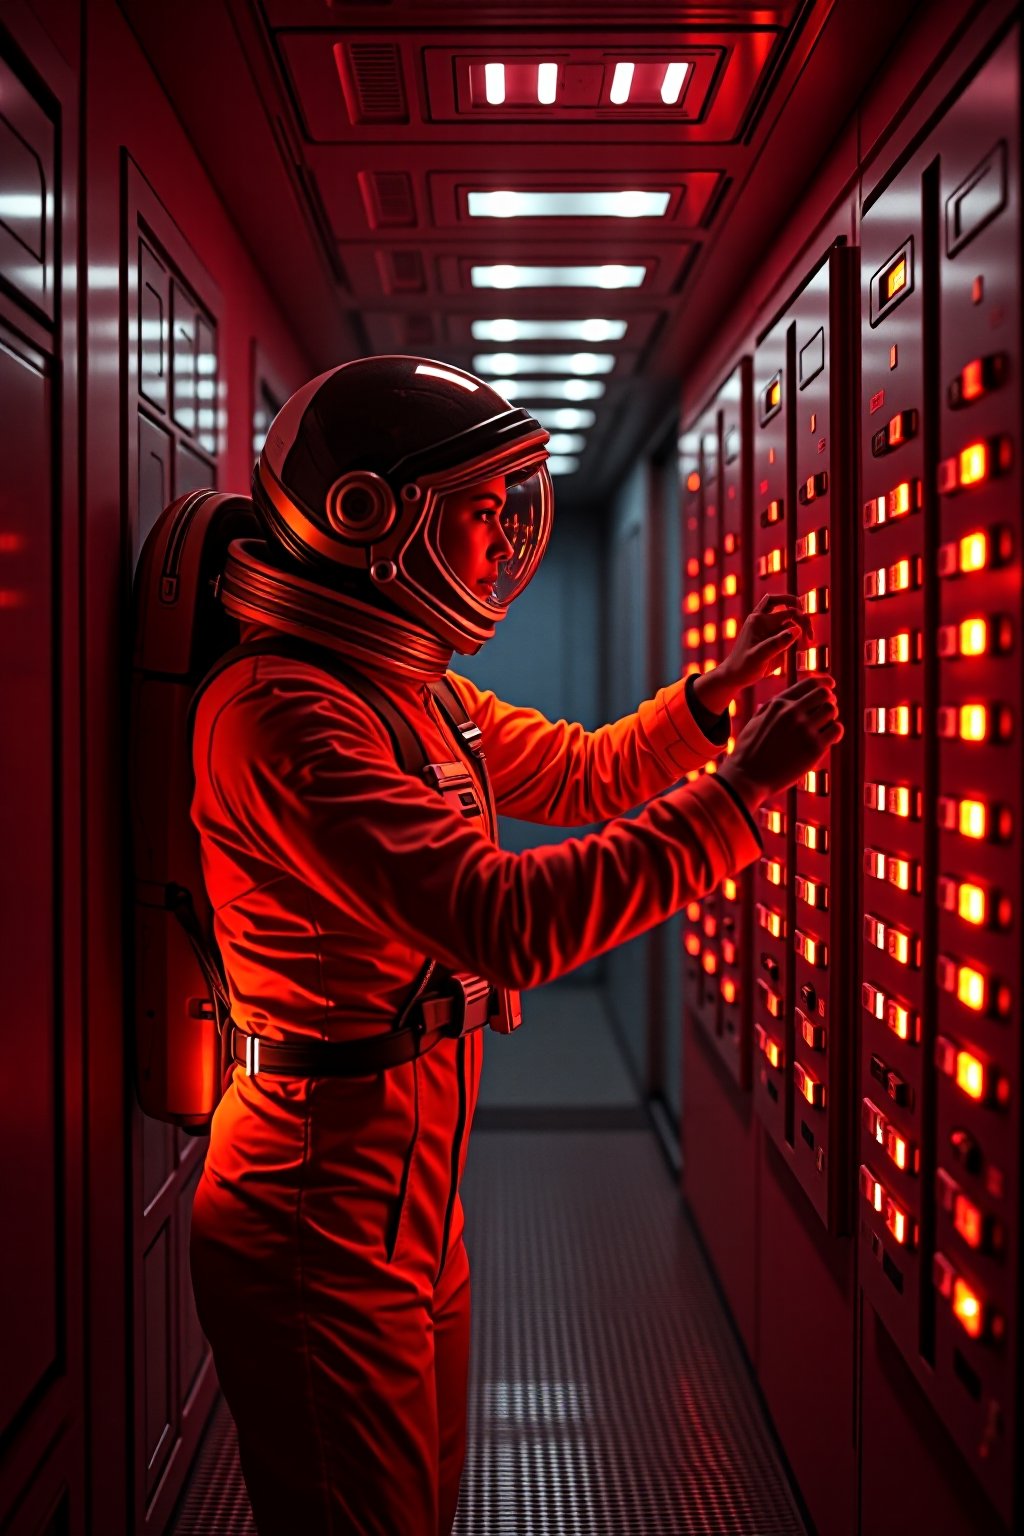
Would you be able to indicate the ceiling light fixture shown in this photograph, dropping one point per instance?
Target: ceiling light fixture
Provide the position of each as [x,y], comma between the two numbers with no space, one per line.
[494,77]
[608,276]
[549,389]
[548,330]
[565,418]
[672,85]
[566,442]
[547,83]
[621,82]
[559,464]
[523,362]
[567,205]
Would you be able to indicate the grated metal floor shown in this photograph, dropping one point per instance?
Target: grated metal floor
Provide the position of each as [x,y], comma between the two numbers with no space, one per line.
[608,1391]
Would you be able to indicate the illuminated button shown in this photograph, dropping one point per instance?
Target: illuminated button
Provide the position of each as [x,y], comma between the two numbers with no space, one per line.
[728,989]
[973,637]
[815,601]
[873,999]
[775,392]
[903,874]
[730,890]
[874,931]
[901,946]
[900,1151]
[729,952]
[710,592]
[974,722]
[729,629]
[871,1189]
[970,988]
[874,512]
[808,1086]
[730,585]
[693,911]
[973,552]
[968,1308]
[969,1075]
[692,638]
[815,781]
[692,603]
[772,513]
[773,922]
[895,280]
[810,835]
[771,1049]
[770,1001]
[811,1032]
[772,820]
[773,871]
[972,904]
[710,632]
[899,1223]
[813,659]
[812,950]
[976,379]
[873,1121]
[901,428]
[812,892]
[691,944]
[974,465]
[710,962]
[874,863]
[969,1221]
[710,556]
[904,1024]
[710,926]
[812,544]
[729,543]
[813,487]
[693,566]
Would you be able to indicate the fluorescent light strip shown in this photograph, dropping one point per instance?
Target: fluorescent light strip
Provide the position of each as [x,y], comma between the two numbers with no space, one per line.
[567,205]
[672,85]
[522,362]
[549,389]
[609,276]
[494,79]
[622,80]
[548,330]
[566,442]
[560,464]
[547,83]
[564,419]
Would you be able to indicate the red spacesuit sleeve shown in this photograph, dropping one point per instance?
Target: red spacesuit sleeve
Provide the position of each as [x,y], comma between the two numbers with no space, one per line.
[560,774]
[305,774]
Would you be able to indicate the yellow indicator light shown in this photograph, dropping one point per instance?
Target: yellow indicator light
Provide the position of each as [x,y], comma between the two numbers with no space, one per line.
[729,629]
[691,943]
[730,889]
[899,647]
[773,871]
[974,552]
[899,874]
[773,821]
[973,637]
[729,586]
[899,576]
[899,720]
[973,722]
[692,604]
[693,638]
[967,1308]
[970,1075]
[968,1221]
[896,278]
[709,666]
[710,592]
[970,988]
[693,911]
[729,990]
[973,463]
[774,392]
[900,498]
[973,819]
[898,1019]
[710,962]
[710,631]
[899,946]
[775,560]
[971,904]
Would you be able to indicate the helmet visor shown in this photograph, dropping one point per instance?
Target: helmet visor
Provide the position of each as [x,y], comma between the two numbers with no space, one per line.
[526,523]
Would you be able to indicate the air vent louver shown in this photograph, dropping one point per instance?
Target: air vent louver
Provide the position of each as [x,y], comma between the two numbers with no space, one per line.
[371,79]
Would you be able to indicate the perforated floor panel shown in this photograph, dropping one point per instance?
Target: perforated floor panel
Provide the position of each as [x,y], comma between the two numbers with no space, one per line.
[608,1392]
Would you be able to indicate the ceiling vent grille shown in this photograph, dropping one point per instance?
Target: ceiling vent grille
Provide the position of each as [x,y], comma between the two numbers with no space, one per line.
[402,271]
[388,199]
[371,79]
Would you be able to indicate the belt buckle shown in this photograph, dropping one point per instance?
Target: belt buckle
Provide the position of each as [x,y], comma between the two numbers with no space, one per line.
[252,1055]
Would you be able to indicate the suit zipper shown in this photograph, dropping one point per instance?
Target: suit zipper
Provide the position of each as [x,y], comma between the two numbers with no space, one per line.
[460,1131]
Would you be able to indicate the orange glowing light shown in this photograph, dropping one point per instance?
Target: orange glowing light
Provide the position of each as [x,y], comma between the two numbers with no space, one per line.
[970,988]
[972,381]
[899,720]
[898,1020]
[774,392]
[730,890]
[973,463]
[973,819]
[971,904]
[899,576]
[773,1051]
[710,631]
[693,481]
[693,638]
[729,543]
[729,990]
[973,552]
[900,498]
[973,637]
[899,647]
[709,556]
[899,946]
[896,1221]
[710,962]
[973,722]
[899,874]
[968,1221]
[691,943]
[729,629]
[773,821]
[693,911]
[729,585]
[773,871]
[967,1308]
[896,278]
[692,604]
[710,592]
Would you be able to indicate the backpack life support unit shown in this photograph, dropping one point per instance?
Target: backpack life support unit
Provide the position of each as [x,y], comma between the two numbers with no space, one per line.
[186,1045]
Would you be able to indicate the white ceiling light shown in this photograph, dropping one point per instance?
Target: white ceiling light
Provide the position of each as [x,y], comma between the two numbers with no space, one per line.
[566,418]
[609,276]
[549,389]
[567,205]
[621,82]
[522,362]
[494,77]
[566,442]
[548,330]
[558,464]
[672,84]
[547,83]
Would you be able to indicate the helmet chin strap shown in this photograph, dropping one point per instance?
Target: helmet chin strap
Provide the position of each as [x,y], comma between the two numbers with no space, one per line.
[255,591]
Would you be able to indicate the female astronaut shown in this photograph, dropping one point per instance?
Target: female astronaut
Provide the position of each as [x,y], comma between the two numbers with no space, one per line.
[406,505]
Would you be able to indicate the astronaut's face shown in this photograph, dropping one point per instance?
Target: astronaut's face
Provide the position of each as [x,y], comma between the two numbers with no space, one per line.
[470,535]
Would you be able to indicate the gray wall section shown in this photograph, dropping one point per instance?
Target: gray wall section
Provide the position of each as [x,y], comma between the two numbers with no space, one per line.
[627,966]
[547,654]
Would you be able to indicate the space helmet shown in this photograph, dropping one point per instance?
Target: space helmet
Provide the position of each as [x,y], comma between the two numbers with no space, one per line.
[354,471]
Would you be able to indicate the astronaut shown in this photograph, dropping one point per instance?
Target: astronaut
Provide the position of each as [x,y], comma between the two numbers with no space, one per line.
[406,505]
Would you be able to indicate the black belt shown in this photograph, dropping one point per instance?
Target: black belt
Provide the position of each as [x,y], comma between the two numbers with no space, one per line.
[431,1020]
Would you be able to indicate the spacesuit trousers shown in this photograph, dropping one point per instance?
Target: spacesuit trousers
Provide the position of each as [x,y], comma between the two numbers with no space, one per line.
[346,1371]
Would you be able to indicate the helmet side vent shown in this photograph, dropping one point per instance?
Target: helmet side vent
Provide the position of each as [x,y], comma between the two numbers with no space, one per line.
[371,80]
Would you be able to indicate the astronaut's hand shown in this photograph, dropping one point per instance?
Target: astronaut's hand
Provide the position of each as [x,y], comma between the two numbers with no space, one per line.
[788,735]
[775,624]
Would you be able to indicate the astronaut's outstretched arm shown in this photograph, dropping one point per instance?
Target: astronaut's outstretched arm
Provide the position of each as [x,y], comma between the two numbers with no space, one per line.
[310,781]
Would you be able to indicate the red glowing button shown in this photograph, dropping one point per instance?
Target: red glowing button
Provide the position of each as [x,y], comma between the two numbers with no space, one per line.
[967,1308]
